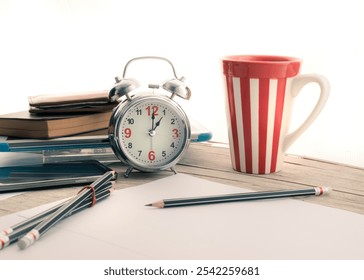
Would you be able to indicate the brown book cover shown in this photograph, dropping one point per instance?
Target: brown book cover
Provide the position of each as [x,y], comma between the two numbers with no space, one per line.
[27,125]
[81,102]
[64,99]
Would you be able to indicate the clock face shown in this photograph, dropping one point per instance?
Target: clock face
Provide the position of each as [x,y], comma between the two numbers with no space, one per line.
[152,133]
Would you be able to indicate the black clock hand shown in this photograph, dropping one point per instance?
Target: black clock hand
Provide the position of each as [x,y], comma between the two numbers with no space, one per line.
[153,117]
[157,123]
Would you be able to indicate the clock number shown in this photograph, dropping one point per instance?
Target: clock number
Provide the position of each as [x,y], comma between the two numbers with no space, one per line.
[127,132]
[172,145]
[164,153]
[130,120]
[152,110]
[175,133]
[139,112]
[151,155]
[139,152]
[173,121]
[130,145]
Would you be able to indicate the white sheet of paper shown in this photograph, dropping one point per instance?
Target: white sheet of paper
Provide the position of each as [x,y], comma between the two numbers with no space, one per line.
[121,227]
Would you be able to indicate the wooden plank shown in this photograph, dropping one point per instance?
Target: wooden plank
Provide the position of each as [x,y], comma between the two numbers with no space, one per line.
[337,199]
[347,182]
[298,170]
[212,162]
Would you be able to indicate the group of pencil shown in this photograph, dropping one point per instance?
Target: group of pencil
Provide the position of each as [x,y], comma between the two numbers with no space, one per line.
[28,231]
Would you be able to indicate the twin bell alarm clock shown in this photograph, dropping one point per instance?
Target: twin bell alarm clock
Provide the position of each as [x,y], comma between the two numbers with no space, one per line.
[148,130]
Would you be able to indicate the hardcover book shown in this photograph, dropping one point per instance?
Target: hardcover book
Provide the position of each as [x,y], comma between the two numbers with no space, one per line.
[27,125]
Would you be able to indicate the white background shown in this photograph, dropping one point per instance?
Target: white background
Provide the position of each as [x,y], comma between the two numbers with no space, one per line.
[67,46]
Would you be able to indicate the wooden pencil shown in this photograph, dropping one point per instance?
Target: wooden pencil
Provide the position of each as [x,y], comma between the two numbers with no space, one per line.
[33,235]
[178,202]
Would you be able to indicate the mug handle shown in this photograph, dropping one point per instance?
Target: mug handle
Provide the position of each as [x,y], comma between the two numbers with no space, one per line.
[297,84]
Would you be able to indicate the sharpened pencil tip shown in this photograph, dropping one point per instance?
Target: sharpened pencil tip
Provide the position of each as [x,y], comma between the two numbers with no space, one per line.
[158,204]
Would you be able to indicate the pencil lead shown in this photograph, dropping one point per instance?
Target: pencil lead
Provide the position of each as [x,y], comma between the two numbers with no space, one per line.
[150,204]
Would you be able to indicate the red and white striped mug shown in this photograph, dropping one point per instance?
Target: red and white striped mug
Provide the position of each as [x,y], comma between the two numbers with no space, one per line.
[259,94]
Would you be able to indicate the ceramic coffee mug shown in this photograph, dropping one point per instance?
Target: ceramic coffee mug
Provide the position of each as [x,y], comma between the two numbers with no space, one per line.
[259,94]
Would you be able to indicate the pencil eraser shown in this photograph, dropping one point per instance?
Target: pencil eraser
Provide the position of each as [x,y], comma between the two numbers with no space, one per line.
[28,239]
[322,190]
[24,242]
[326,190]
[6,231]
[4,241]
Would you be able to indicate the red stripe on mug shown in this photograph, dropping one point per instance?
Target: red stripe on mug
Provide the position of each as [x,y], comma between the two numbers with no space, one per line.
[233,124]
[263,123]
[246,115]
[281,88]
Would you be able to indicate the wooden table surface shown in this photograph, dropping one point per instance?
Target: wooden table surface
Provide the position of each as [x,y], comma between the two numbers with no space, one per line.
[211,161]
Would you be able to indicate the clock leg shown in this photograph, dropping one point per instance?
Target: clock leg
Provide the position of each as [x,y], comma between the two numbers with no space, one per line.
[128,171]
[174,170]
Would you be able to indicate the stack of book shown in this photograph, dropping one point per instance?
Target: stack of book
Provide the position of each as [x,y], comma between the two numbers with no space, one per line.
[60,127]
[59,115]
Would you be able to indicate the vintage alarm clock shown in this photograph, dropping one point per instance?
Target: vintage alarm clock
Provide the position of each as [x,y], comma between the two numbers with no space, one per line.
[148,130]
